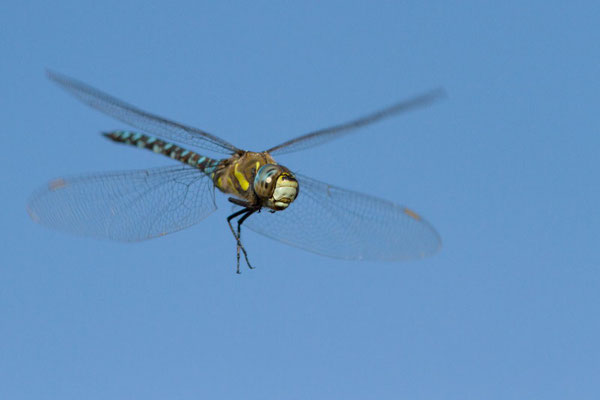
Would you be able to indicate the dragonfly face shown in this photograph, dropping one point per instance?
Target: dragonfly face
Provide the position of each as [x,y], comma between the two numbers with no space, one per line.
[276,186]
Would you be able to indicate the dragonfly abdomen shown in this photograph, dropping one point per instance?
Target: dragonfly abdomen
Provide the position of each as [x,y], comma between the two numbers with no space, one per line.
[205,164]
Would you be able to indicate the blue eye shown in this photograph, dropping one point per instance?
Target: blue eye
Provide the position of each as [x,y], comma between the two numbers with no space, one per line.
[264,181]
[263,173]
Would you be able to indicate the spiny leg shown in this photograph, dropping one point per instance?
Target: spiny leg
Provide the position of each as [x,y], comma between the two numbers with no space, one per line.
[237,239]
[239,234]
[247,212]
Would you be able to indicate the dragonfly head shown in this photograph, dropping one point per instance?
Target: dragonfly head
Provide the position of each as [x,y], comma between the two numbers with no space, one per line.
[276,186]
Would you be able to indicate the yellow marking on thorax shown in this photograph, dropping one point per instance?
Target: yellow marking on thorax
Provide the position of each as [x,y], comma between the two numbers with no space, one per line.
[241,178]
[412,214]
[231,184]
[220,182]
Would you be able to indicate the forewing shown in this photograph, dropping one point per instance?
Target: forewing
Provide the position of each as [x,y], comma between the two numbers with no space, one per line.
[149,123]
[125,206]
[340,223]
[333,132]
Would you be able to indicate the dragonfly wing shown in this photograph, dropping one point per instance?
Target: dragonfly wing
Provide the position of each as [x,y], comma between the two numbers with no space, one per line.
[125,206]
[143,120]
[339,223]
[333,132]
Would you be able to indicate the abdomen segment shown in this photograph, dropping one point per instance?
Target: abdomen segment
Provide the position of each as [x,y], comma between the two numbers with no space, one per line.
[205,164]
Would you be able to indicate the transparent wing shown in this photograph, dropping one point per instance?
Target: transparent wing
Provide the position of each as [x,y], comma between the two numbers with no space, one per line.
[339,223]
[125,206]
[150,123]
[333,132]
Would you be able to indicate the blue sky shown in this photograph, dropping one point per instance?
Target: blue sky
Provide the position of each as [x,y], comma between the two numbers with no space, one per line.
[506,169]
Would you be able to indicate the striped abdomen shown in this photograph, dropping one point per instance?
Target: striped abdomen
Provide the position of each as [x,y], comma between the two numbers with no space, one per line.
[205,164]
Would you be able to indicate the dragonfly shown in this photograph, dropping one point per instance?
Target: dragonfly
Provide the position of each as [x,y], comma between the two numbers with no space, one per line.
[268,197]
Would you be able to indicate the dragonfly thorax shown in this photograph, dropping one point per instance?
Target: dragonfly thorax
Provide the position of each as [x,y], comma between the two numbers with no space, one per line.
[276,186]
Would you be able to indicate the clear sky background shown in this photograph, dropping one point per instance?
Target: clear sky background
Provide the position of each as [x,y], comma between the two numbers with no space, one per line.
[506,168]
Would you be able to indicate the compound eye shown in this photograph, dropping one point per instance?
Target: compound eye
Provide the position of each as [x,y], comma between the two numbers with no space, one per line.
[265,179]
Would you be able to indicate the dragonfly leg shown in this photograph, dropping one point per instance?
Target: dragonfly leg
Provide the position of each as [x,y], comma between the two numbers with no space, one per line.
[239,234]
[237,239]
[245,213]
